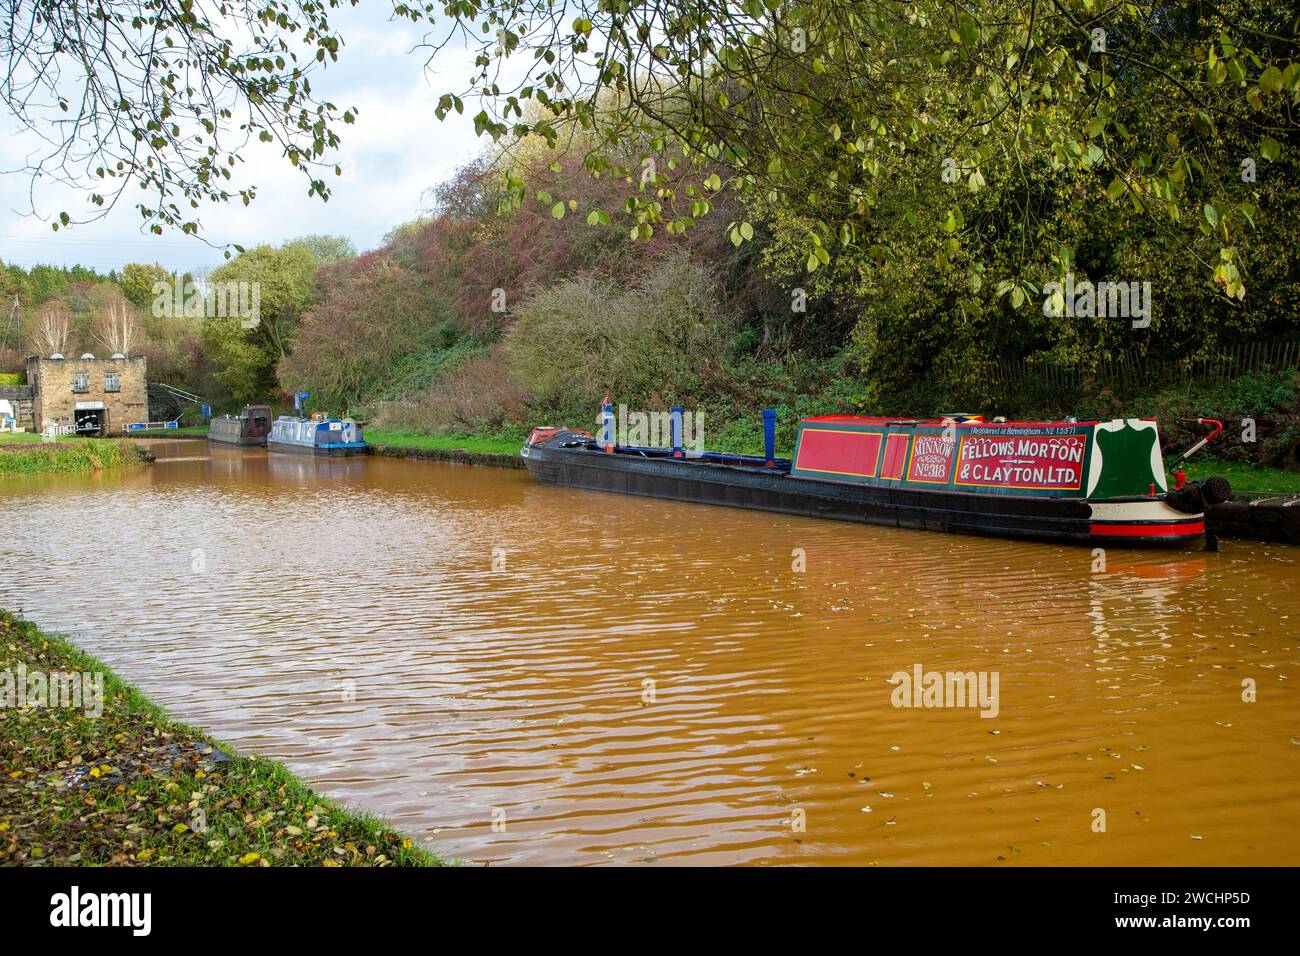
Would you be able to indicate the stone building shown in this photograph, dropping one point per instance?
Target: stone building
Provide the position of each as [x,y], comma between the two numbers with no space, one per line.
[16,400]
[89,395]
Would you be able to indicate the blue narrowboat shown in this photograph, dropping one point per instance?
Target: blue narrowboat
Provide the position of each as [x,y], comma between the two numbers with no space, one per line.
[322,437]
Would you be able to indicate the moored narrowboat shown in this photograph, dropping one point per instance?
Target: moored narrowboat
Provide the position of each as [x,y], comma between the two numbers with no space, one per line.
[1095,482]
[249,427]
[322,437]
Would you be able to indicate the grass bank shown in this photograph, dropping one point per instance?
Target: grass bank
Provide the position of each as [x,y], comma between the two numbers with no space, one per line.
[1246,477]
[80,454]
[189,431]
[34,438]
[132,787]
[26,438]
[508,443]
[487,445]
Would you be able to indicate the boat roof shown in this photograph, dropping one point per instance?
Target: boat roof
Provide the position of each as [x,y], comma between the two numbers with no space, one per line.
[939,422]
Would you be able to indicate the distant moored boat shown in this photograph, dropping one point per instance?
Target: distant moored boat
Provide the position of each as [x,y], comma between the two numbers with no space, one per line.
[249,427]
[324,437]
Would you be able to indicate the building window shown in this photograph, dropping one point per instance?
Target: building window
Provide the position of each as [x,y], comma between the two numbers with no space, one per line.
[81,381]
[112,381]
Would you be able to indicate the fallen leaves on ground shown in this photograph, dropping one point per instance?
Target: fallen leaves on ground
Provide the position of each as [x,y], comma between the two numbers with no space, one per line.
[133,788]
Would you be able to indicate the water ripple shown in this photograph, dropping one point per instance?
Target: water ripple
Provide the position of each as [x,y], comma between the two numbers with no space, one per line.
[522,674]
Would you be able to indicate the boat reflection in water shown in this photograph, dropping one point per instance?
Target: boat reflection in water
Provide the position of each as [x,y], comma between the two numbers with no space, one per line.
[309,470]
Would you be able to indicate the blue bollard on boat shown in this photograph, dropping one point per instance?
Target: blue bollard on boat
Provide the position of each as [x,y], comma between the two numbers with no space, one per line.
[769,437]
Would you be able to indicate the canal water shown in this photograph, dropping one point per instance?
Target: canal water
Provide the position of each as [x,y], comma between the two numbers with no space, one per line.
[519,674]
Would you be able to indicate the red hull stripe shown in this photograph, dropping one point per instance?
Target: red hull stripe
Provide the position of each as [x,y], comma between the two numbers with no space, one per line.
[1149,530]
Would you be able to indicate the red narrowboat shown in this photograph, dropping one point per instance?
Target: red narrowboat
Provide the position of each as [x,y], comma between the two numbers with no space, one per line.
[1092,482]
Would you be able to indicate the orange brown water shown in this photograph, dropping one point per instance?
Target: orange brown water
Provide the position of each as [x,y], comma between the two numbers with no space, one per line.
[347,617]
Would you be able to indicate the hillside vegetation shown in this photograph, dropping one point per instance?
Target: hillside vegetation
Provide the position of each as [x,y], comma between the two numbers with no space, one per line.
[911,211]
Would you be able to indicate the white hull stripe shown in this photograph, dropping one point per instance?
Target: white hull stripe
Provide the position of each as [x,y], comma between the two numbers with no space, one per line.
[1131,511]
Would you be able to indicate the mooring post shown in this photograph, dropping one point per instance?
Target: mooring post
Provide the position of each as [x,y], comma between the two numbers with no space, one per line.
[769,436]
[675,426]
[607,426]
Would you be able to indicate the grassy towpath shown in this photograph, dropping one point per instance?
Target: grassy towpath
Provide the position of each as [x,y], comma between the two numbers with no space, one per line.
[129,786]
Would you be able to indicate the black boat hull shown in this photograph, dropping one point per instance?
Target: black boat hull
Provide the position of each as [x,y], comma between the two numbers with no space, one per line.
[317,451]
[242,441]
[1112,523]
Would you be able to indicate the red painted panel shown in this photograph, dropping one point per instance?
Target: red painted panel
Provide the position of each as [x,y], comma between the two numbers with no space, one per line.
[1039,462]
[839,452]
[931,459]
[895,456]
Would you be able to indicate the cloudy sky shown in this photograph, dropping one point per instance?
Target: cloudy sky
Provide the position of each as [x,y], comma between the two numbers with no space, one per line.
[395,151]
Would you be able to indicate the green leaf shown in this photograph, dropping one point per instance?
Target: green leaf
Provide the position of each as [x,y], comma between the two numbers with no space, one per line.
[1211,214]
[968,29]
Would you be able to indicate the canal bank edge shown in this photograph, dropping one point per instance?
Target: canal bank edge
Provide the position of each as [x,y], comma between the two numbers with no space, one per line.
[129,786]
[459,456]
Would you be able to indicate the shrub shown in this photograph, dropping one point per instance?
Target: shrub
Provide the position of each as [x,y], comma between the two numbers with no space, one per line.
[476,395]
[371,313]
[645,345]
